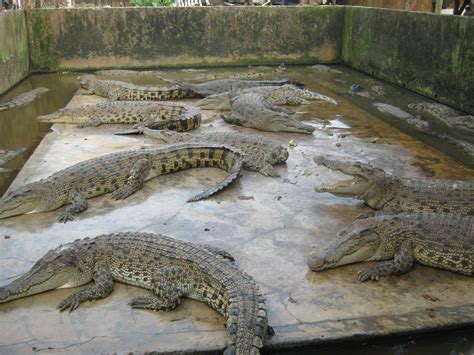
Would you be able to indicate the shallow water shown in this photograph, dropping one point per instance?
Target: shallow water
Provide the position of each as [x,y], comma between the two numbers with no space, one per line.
[19,128]
[355,115]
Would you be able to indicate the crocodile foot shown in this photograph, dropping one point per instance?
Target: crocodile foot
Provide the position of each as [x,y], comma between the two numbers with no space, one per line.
[368,274]
[71,303]
[65,217]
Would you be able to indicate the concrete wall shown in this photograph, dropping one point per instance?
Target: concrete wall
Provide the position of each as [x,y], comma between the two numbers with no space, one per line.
[146,37]
[429,54]
[14,61]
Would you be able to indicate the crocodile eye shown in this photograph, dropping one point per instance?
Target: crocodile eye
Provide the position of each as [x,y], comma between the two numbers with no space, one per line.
[364,231]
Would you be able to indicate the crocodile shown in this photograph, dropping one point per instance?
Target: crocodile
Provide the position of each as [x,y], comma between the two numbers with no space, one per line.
[384,191]
[451,117]
[123,91]
[170,268]
[125,72]
[259,154]
[438,240]
[122,174]
[7,155]
[156,114]
[22,99]
[220,86]
[276,95]
[254,111]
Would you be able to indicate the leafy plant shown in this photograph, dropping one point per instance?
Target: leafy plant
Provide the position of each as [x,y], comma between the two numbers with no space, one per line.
[153,3]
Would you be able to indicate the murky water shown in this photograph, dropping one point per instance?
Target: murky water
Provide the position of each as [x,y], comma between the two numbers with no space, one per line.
[19,127]
[355,115]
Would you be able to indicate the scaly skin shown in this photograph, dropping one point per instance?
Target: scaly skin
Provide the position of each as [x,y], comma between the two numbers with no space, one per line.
[252,110]
[386,192]
[169,268]
[125,72]
[443,241]
[276,95]
[220,86]
[123,91]
[156,115]
[122,174]
[22,99]
[259,153]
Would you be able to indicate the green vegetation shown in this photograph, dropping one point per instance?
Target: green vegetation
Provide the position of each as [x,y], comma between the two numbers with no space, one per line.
[152,3]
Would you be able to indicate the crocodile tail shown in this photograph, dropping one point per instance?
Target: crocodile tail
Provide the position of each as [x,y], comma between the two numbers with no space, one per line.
[233,170]
[247,322]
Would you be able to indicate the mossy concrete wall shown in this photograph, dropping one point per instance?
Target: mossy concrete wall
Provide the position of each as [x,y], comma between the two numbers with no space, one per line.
[14,55]
[150,37]
[430,54]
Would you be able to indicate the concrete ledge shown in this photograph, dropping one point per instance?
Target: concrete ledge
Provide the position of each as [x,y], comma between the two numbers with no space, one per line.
[14,54]
[150,37]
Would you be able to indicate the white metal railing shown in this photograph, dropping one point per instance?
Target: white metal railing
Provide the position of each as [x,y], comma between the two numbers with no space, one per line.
[191,2]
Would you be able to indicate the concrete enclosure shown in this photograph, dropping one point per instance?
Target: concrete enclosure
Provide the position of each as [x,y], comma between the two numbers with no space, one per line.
[430,54]
[14,54]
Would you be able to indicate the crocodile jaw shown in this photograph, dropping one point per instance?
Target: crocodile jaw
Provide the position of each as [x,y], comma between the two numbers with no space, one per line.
[353,187]
[354,244]
[20,201]
[50,272]
[288,125]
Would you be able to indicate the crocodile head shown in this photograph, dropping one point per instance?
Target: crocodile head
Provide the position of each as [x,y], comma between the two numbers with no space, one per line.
[284,123]
[25,199]
[87,82]
[359,242]
[369,183]
[61,115]
[58,268]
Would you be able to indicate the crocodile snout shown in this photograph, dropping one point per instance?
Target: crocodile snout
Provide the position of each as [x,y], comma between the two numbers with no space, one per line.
[315,261]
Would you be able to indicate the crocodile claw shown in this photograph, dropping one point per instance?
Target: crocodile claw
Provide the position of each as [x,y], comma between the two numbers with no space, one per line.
[71,303]
[65,217]
[367,274]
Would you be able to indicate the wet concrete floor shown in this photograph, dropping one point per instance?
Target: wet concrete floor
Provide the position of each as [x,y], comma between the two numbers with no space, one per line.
[268,224]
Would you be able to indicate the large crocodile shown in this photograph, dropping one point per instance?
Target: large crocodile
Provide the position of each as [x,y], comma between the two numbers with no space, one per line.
[122,174]
[276,95]
[254,111]
[439,240]
[157,115]
[126,72]
[259,153]
[22,99]
[123,91]
[169,268]
[384,191]
[220,86]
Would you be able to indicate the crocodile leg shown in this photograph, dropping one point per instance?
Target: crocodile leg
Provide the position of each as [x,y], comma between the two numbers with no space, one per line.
[401,263]
[102,287]
[166,294]
[78,205]
[135,179]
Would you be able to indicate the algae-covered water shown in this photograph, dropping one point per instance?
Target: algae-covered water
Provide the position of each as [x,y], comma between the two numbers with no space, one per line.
[355,115]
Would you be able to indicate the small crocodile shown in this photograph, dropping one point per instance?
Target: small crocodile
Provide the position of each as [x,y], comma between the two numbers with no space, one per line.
[254,111]
[22,99]
[170,268]
[276,95]
[7,155]
[384,191]
[259,154]
[220,86]
[439,240]
[120,173]
[157,115]
[452,118]
[123,91]
[125,72]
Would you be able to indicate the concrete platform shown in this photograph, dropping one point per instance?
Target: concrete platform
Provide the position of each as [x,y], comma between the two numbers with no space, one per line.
[269,225]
